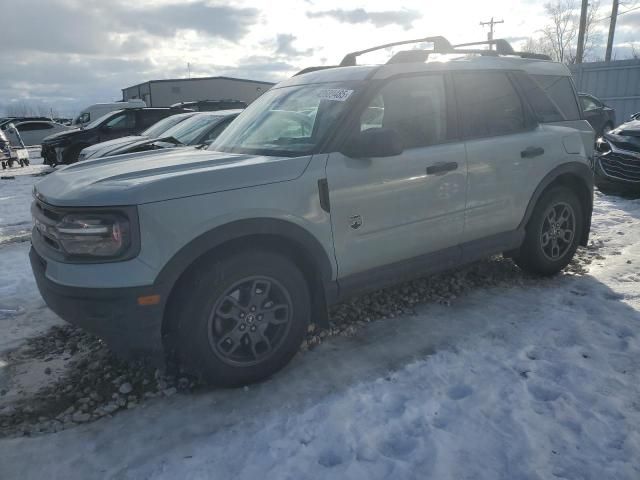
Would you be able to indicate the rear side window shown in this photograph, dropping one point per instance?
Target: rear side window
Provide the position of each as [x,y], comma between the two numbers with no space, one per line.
[415,107]
[543,107]
[149,117]
[489,104]
[561,92]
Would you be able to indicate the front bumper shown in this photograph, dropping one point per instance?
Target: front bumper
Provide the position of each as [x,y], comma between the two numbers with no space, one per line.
[113,314]
[617,170]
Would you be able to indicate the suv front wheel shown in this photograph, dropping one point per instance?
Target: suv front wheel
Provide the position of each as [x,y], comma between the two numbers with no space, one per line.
[244,318]
[553,233]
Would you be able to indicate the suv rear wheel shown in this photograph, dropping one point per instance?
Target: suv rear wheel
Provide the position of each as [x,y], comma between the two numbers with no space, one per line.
[244,318]
[553,233]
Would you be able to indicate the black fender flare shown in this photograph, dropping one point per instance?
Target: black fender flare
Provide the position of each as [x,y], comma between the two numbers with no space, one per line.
[577,169]
[237,230]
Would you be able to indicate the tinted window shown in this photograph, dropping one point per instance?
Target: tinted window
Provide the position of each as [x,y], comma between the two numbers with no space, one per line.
[414,107]
[543,107]
[149,117]
[489,105]
[27,127]
[122,121]
[561,92]
[588,104]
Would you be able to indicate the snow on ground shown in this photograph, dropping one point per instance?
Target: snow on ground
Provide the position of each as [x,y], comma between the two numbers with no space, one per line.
[524,382]
[15,198]
[18,293]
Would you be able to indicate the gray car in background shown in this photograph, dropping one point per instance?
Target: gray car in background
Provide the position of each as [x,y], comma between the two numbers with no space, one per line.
[199,128]
[156,130]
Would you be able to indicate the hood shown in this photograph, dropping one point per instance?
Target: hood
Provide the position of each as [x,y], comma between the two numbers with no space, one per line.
[105,148]
[631,129]
[626,136]
[135,179]
[61,135]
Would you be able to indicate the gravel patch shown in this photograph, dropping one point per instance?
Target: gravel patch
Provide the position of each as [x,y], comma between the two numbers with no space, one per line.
[95,383]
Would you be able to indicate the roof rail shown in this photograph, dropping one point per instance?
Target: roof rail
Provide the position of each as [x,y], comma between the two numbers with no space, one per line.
[440,45]
[502,46]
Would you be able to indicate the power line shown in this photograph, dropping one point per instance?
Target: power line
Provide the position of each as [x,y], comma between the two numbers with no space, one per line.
[621,13]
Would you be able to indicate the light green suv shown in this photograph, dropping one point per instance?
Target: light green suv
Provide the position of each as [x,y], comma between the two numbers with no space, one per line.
[338,180]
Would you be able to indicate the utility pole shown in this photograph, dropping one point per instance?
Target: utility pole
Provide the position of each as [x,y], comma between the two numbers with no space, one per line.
[189,69]
[491,23]
[612,30]
[581,29]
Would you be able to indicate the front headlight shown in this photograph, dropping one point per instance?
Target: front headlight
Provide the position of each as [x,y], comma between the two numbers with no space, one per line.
[101,235]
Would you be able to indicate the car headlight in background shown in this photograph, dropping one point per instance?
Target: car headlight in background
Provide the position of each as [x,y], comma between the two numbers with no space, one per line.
[105,235]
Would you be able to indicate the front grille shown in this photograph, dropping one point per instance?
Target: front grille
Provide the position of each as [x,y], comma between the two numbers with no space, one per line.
[44,218]
[621,166]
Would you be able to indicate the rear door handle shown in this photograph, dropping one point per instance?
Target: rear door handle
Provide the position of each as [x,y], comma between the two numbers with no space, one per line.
[442,168]
[531,152]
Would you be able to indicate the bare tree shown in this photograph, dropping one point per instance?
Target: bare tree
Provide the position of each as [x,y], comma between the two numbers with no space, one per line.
[635,51]
[559,37]
[29,109]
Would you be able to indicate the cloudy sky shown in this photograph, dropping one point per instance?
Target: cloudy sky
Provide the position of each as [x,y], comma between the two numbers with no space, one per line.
[69,53]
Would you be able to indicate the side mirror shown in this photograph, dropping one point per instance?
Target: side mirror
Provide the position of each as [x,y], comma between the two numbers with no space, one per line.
[374,142]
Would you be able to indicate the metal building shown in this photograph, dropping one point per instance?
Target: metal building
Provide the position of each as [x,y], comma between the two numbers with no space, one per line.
[164,93]
[616,83]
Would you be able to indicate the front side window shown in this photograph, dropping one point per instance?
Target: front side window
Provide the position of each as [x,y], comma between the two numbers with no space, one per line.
[122,121]
[489,104]
[560,90]
[588,104]
[415,107]
[287,121]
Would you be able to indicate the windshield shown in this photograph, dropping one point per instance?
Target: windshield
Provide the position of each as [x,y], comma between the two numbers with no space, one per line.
[158,128]
[101,119]
[190,130]
[287,121]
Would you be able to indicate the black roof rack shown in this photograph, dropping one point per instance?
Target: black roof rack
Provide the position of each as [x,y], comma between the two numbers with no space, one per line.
[440,45]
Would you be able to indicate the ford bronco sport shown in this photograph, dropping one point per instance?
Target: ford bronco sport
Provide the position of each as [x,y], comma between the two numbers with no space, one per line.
[335,181]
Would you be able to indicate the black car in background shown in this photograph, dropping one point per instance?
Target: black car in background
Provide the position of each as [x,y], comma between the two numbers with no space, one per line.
[65,147]
[617,158]
[601,117]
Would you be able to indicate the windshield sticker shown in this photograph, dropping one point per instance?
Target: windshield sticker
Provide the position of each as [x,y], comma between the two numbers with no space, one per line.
[335,94]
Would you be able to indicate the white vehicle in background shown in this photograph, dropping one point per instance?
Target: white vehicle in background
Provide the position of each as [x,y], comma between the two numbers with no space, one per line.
[32,132]
[10,155]
[99,109]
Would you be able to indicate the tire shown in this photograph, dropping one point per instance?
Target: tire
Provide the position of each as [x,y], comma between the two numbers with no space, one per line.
[547,248]
[220,335]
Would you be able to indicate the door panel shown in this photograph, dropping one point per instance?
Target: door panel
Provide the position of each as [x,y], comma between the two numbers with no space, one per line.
[385,210]
[501,180]
[402,212]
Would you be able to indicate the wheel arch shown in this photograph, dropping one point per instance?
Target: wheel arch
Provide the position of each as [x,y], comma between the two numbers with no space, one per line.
[574,175]
[277,235]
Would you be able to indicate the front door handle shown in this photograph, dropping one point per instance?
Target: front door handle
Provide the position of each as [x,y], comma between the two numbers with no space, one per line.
[531,152]
[442,168]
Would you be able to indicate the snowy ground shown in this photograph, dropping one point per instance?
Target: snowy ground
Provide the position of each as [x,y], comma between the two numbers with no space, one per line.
[537,379]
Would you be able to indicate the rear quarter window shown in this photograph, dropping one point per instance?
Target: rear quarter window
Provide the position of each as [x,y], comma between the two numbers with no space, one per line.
[543,107]
[489,104]
[561,92]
